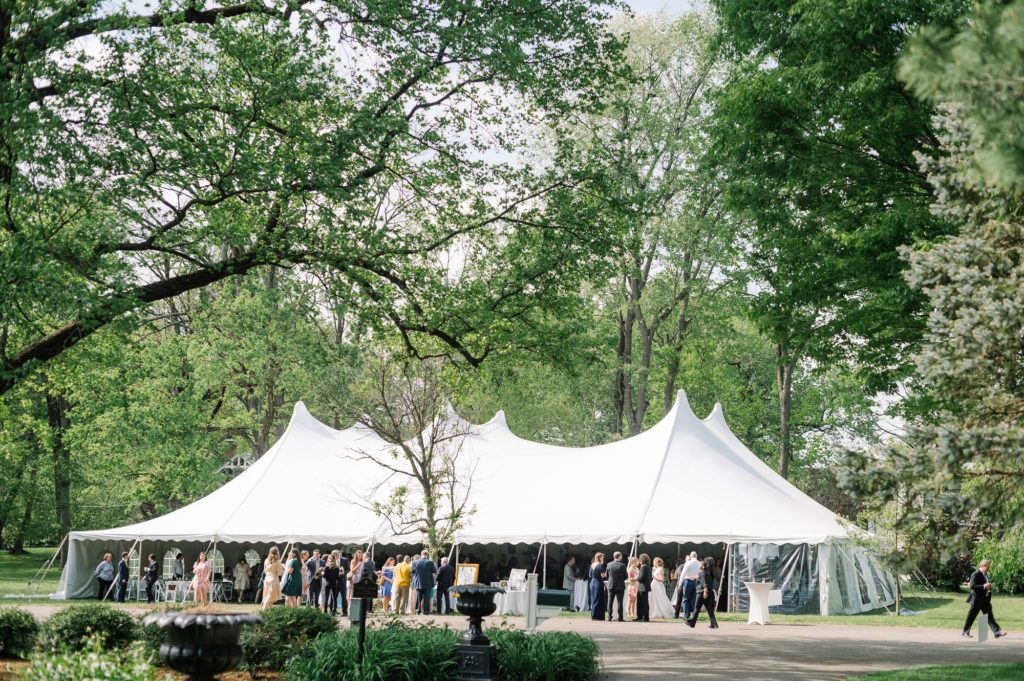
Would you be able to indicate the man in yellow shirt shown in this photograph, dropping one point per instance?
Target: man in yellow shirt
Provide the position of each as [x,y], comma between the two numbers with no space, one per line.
[403,578]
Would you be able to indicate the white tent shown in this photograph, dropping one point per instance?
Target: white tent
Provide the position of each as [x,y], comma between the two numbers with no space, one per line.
[682,481]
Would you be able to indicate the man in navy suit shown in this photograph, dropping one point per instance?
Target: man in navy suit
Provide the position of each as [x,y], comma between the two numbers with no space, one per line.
[122,578]
[981,601]
[423,572]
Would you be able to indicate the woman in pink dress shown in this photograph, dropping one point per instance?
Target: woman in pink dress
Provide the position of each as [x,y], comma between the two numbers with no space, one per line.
[632,572]
[201,573]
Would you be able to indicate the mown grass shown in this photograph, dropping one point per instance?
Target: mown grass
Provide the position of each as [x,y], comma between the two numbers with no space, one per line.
[17,571]
[956,672]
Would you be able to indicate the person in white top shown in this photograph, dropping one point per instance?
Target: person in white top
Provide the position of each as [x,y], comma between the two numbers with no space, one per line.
[686,593]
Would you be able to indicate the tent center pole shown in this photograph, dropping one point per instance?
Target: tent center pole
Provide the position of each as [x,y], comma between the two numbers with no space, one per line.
[544,567]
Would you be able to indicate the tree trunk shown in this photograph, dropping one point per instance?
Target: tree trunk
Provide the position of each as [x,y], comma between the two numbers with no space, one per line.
[682,324]
[18,546]
[56,415]
[9,497]
[784,377]
[621,385]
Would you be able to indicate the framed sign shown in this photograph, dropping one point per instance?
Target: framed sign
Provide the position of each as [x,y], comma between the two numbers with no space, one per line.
[517,580]
[466,573]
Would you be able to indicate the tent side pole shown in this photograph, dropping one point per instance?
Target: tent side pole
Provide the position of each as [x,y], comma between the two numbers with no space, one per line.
[725,571]
[41,573]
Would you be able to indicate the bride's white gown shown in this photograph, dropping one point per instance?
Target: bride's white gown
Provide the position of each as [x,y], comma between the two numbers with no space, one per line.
[661,606]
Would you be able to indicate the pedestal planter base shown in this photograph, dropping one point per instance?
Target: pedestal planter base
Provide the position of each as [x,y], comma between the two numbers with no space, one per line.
[199,644]
[477,662]
[476,655]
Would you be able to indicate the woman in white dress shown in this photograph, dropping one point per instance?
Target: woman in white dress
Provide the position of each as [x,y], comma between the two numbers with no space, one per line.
[661,606]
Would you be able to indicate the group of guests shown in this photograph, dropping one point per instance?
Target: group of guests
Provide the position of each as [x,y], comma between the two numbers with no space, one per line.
[641,588]
[105,574]
[326,581]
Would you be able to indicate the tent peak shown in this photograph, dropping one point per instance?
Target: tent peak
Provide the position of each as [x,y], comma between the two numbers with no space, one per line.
[683,411]
[716,415]
[498,419]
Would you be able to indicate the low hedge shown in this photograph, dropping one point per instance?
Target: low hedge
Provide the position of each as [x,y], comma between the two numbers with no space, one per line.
[71,628]
[425,654]
[18,632]
[285,633]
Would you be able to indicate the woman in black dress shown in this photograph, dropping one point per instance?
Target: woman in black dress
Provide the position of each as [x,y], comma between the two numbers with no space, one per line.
[332,583]
[598,596]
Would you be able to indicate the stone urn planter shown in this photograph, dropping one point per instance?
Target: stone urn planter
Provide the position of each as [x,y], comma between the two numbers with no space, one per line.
[475,653]
[201,644]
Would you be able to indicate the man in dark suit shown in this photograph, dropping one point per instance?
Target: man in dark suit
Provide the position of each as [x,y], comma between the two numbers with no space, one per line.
[315,568]
[122,578]
[617,576]
[423,571]
[643,589]
[152,574]
[445,580]
[981,601]
[344,564]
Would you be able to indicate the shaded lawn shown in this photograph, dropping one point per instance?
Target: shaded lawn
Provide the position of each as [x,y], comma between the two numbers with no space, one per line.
[940,609]
[965,672]
[16,571]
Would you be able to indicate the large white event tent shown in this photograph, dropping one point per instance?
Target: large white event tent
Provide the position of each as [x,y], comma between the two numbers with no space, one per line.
[685,480]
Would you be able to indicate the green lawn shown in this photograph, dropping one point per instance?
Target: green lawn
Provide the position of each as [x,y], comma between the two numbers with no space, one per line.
[16,571]
[945,610]
[966,672]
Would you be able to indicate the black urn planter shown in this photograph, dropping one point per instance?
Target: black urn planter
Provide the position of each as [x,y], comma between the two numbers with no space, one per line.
[476,655]
[201,644]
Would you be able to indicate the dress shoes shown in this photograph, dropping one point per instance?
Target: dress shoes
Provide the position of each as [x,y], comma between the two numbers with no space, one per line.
[1000,634]
[713,626]
[691,623]
[967,634]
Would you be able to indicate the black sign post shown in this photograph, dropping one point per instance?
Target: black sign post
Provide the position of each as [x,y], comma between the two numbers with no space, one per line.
[363,593]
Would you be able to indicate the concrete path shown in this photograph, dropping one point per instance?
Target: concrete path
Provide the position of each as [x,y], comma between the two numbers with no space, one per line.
[670,651]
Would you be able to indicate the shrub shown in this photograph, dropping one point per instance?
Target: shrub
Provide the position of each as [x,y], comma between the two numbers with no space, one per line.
[1007,556]
[392,651]
[285,632]
[71,628]
[395,650]
[18,632]
[150,636]
[93,663]
[545,656]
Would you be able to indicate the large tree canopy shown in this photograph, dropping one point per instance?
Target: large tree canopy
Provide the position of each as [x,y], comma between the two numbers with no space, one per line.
[143,155]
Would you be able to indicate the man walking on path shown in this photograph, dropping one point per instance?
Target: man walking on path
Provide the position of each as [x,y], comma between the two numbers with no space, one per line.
[686,594]
[980,599]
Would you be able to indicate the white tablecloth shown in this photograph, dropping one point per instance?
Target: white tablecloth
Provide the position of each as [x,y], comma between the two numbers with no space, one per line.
[581,595]
[511,603]
[758,612]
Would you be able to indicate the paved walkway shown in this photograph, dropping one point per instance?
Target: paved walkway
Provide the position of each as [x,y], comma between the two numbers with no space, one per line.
[670,651]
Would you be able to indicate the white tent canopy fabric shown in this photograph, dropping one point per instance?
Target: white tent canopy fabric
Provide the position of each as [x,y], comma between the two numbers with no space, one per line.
[313,487]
